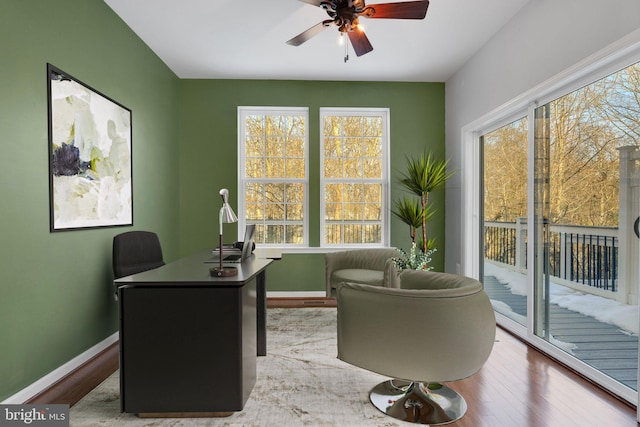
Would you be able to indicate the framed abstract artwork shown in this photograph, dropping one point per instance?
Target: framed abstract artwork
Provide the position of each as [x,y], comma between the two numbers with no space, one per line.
[90,169]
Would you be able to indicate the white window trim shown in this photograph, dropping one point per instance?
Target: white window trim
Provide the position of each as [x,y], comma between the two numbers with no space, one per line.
[386,208]
[249,110]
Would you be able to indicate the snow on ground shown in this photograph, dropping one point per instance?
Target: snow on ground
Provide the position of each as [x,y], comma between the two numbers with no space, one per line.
[605,310]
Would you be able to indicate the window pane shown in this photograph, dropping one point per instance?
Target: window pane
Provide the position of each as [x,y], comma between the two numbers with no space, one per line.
[275,167]
[353,168]
[372,211]
[373,192]
[254,192]
[254,211]
[294,168]
[295,193]
[373,168]
[275,146]
[332,147]
[372,233]
[295,234]
[259,235]
[505,211]
[333,211]
[353,233]
[373,147]
[295,146]
[353,211]
[373,126]
[295,212]
[255,146]
[274,193]
[353,147]
[333,168]
[274,234]
[254,127]
[274,125]
[353,192]
[333,193]
[254,168]
[333,234]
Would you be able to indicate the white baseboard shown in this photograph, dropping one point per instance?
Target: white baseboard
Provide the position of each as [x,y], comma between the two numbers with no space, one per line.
[56,375]
[293,294]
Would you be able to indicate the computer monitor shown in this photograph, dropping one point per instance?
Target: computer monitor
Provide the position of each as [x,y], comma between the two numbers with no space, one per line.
[249,241]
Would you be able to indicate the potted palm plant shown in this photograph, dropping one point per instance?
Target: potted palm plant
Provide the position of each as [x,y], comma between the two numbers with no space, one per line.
[423,174]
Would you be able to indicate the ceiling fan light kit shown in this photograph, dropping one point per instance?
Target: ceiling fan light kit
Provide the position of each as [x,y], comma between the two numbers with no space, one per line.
[344,14]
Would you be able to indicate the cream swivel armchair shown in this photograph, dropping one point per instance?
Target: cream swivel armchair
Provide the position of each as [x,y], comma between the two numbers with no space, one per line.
[435,328]
[370,266]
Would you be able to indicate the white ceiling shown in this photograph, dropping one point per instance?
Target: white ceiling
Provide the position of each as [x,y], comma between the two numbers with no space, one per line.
[245,39]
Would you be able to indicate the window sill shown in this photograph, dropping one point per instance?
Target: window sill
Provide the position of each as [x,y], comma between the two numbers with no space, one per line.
[317,250]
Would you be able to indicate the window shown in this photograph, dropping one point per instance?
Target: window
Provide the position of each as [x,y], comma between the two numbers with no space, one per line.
[274,186]
[354,177]
[273,173]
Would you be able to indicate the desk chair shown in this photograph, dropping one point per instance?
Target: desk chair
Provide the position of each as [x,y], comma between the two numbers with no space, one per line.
[135,252]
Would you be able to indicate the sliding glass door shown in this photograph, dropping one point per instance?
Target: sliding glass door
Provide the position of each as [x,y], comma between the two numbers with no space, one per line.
[560,232]
[585,205]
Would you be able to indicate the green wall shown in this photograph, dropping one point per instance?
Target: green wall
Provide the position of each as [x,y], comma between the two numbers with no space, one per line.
[56,294]
[208,155]
[56,289]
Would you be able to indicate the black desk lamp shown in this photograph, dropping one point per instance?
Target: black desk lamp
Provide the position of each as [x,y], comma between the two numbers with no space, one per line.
[226,216]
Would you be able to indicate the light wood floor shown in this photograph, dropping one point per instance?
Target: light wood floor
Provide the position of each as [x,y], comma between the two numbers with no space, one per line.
[519,386]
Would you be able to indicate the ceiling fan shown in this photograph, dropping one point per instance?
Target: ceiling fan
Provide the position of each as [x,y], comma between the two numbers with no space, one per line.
[344,14]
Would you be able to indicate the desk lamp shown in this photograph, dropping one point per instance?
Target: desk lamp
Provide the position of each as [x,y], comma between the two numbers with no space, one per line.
[226,216]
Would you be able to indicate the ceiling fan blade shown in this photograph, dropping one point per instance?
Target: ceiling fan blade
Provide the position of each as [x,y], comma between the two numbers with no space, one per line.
[360,42]
[313,2]
[405,10]
[306,35]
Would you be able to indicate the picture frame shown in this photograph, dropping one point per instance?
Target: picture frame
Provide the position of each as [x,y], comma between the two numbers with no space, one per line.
[90,156]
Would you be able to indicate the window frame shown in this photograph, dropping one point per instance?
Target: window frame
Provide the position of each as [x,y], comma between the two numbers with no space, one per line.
[384,114]
[244,111]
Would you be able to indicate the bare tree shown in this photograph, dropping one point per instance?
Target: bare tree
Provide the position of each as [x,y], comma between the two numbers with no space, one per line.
[587,126]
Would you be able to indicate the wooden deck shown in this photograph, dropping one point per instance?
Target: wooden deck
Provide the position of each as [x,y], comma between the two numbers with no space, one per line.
[605,347]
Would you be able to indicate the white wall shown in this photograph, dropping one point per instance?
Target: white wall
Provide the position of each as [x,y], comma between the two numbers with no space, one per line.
[543,39]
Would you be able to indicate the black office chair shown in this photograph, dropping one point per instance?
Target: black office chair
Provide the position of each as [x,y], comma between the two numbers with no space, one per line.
[135,252]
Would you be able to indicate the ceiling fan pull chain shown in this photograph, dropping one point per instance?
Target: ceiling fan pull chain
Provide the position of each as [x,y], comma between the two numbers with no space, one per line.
[346,49]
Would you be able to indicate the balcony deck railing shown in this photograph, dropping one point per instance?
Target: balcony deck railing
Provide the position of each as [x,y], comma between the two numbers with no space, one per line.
[577,254]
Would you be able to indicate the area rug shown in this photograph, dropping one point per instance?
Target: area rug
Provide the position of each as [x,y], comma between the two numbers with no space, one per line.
[299,383]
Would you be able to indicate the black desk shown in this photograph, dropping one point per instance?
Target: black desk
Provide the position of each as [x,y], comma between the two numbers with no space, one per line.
[188,341]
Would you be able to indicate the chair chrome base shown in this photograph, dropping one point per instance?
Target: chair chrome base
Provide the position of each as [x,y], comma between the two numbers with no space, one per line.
[417,402]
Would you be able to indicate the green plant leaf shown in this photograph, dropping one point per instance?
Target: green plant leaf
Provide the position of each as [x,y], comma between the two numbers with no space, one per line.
[409,211]
[424,174]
